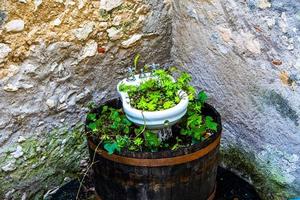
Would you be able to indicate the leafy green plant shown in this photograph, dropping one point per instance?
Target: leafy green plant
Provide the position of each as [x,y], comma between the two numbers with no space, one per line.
[159,92]
[152,141]
[196,126]
[117,132]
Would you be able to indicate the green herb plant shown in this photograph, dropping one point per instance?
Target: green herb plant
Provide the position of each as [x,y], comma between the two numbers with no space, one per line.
[195,125]
[160,92]
[116,133]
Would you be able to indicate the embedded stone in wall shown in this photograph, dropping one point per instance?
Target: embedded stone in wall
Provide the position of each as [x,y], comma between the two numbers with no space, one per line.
[9,167]
[56,22]
[114,34]
[108,5]
[247,41]
[283,23]
[15,25]
[89,50]
[18,152]
[81,4]
[37,3]
[4,51]
[144,9]
[117,20]
[271,22]
[51,103]
[2,17]
[84,32]
[10,88]
[103,25]
[225,34]
[263,4]
[132,40]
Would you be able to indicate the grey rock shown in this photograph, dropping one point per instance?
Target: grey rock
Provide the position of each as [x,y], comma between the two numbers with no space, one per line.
[108,5]
[24,196]
[9,193]
[89,50]
[83,32]
[37,3]
[131,41]
[51,103]
[10,88]
[21,139]
[3,17]
[16,25]
[4,51]
[114,34]
[264,4]
[9,167]
[18,152]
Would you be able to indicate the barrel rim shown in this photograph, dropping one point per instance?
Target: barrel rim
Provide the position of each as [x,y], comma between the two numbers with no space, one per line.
[157,162]
[165,153]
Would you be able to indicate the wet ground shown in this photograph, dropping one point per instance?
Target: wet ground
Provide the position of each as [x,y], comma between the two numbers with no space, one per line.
[229,187]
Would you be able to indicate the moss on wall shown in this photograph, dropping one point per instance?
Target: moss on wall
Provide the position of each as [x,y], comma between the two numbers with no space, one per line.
[48,158]
[267,180]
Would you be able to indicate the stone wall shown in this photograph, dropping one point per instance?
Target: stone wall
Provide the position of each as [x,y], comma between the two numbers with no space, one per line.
[55,57]
[246,55]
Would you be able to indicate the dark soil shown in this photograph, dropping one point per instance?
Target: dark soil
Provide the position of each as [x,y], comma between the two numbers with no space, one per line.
[229,187]
[232,187]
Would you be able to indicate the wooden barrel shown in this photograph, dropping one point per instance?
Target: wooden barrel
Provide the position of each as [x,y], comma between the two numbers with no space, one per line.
[185,174]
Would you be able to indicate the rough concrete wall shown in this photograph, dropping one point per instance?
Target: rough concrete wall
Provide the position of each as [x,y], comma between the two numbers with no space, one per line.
[246,55]
[55,57]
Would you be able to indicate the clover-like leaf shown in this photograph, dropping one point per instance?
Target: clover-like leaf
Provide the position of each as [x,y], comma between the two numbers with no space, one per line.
[93,127]
[152,140]
[168,104]
[210,124]
[198,132]
[111,147]
[138,141]
[91,117]
[202,97]
[104,109]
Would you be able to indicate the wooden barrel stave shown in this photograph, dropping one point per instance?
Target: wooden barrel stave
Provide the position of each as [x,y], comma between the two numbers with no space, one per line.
[116,181]
[193,179]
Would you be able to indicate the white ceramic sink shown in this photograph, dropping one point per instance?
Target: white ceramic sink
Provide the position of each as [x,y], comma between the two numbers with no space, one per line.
[152,119]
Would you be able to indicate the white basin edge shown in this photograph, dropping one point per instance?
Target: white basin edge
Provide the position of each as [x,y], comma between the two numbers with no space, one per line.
[153,119]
